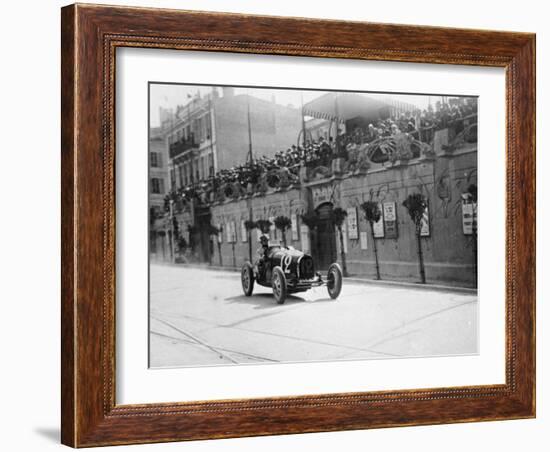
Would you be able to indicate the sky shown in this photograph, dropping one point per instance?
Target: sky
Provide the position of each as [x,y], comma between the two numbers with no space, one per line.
[172,95]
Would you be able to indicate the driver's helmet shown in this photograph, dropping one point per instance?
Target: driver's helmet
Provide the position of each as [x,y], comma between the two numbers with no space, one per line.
[264,240]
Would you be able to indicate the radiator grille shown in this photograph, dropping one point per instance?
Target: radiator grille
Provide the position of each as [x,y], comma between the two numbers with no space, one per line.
[307,270]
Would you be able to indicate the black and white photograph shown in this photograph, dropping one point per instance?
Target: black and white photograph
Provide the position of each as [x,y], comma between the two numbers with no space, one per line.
[245,226]
[295,225]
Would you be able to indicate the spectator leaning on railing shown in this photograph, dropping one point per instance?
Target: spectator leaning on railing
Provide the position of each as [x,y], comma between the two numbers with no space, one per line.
[419,124]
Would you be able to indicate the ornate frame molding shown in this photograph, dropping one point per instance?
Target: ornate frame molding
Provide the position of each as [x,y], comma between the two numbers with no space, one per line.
[90,37]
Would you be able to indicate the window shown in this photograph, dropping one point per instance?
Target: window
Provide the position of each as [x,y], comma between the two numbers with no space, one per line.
[200,130]
[181,176]
[157,186]
[155,160]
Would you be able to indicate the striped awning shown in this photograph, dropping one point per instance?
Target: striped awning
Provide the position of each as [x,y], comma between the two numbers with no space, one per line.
[342,106]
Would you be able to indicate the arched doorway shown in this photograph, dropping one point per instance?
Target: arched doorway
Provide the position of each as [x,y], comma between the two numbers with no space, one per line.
[325,240]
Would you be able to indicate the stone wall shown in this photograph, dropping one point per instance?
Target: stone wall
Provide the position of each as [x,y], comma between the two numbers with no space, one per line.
[448,252]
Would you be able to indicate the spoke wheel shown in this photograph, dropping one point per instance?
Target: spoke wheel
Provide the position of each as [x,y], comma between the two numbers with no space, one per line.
[247,279]
[334,280]
[278,284]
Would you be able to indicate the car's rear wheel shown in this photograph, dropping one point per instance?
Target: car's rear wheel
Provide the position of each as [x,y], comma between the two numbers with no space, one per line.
[278,284]
[334,280]
[247,279]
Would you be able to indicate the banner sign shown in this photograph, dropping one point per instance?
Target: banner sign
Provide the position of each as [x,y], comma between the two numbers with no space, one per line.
[352,223]
[390,220]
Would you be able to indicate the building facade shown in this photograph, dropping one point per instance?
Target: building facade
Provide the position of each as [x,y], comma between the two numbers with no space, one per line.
[159,233]
[204,136]
[449,247]
[213,227]
[212,133]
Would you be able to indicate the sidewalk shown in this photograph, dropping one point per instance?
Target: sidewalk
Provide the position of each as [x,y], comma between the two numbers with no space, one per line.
[351,278]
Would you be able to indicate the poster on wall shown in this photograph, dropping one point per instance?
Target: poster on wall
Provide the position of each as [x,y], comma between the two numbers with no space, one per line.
[272,229]
[352,223]
[425,227]
[390,220]
[231,232]
[345,236]
[304,237]
[469,217]
[228,232]
[294,226]
[378,227]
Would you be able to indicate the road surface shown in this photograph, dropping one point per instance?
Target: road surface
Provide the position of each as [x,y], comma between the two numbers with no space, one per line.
[200,317]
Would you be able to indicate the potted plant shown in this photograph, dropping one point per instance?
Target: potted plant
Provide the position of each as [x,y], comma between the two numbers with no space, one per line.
[416,205]
[373,214]
[283,224]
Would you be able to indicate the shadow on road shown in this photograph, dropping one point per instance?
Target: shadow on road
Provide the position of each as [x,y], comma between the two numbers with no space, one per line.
[267,301]
[264,300]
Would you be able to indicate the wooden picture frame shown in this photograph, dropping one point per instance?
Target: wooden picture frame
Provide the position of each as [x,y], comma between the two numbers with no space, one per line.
[90,36]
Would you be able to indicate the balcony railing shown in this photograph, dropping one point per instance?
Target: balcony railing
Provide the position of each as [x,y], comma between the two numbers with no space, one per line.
[179,147]
[353,156]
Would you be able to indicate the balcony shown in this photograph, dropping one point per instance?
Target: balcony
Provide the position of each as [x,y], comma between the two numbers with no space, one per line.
[181,146]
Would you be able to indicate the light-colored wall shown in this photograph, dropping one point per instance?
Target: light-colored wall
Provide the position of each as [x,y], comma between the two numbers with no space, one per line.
[274,128]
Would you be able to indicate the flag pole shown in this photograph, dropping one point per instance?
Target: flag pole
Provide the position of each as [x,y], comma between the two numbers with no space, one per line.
[303,122]
[250,156]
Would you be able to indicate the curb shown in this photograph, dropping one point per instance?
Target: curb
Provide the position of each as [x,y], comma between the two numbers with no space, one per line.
[355,279]
[413,286]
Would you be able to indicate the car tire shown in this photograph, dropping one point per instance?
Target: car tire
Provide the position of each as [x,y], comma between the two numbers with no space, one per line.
[334,280]
[247,278]
[278,284]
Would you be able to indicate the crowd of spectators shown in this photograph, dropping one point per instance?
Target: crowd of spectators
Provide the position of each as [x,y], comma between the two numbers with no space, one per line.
[419,124]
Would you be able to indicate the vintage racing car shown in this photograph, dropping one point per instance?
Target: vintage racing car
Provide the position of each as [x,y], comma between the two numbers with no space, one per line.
[287,270]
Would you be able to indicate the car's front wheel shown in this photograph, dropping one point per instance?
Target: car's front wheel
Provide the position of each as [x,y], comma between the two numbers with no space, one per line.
[334,280]
[247,279]
[278,284]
